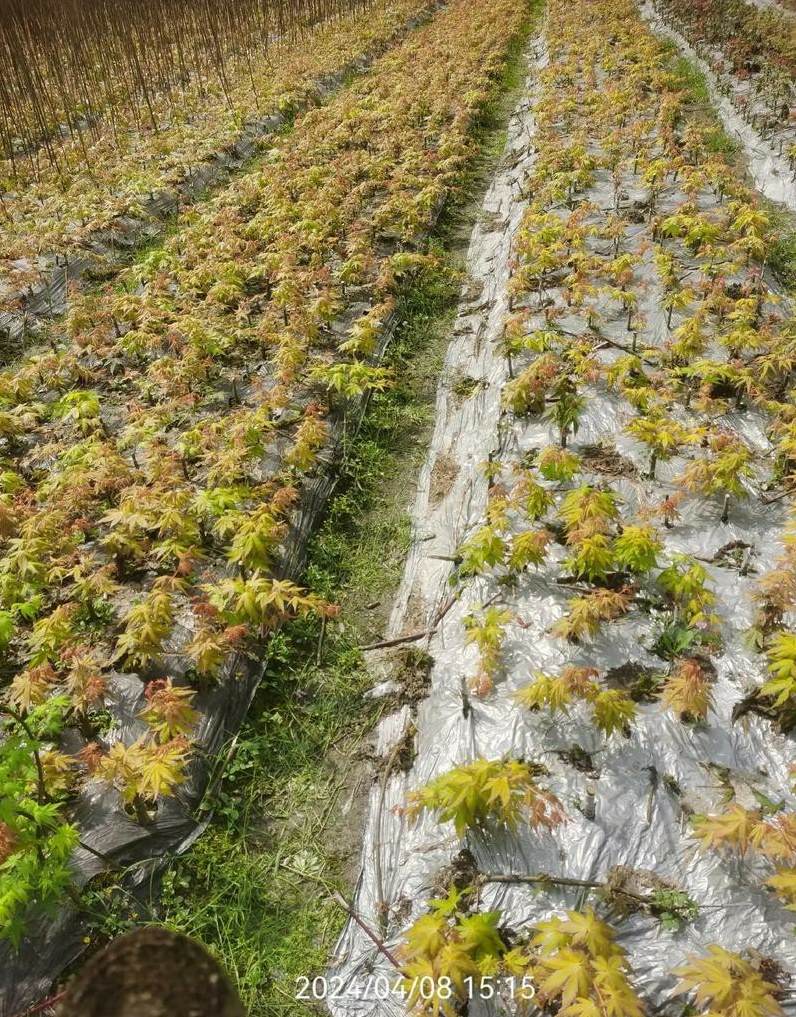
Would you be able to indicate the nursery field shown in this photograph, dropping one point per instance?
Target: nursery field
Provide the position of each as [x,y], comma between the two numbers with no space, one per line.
[397,460]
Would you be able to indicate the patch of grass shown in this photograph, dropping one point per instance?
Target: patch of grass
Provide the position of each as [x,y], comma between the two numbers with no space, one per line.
[691,80]
[782,255]
[288,815]
[688,76]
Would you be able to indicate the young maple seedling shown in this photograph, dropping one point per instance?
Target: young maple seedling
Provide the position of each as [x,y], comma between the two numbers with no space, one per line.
[351,380]
[486,792]
[586,613]
[637,548]
[145,771]
[558,464]
[579,969]
[662,435]
[148,624]
[528,548]
[567,408]
[531,497]
[484,550]
[447,951]
[771,835]
[626,374]
[687,690]
[781,656]
[723,984]
[685,583]
[589,514]
[169,712]
[612,710]
[264,602]
[487,631]
[526,393]
[775,595]
[723,472]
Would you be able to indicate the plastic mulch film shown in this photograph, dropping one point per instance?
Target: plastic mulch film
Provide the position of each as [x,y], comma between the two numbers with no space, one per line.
[769,168]
[627,799]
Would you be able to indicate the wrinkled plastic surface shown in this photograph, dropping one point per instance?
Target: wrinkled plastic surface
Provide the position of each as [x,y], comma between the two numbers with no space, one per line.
[623,812]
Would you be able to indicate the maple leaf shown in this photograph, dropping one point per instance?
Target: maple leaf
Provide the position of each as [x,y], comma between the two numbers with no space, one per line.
[161,767]
[581,1007]
[483,550]
[613,711]
[727,985]
[783,883]
[148,624]
[448,905]
[31,687]
[611,986]
[592,555]
[775,837]
[585,929]
[588,510]
[733,827]
[782,665]
[208,649]
[426,936]
[550,936]
[58,769]
[8,842]
[529,548]
[169,712]
[457,962]
[553,693]
[565,975]
[516,961]
[479,934]
[531,497]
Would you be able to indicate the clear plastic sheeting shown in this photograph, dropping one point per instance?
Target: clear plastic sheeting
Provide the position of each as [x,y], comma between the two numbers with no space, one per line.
[768,167]
[627,799]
